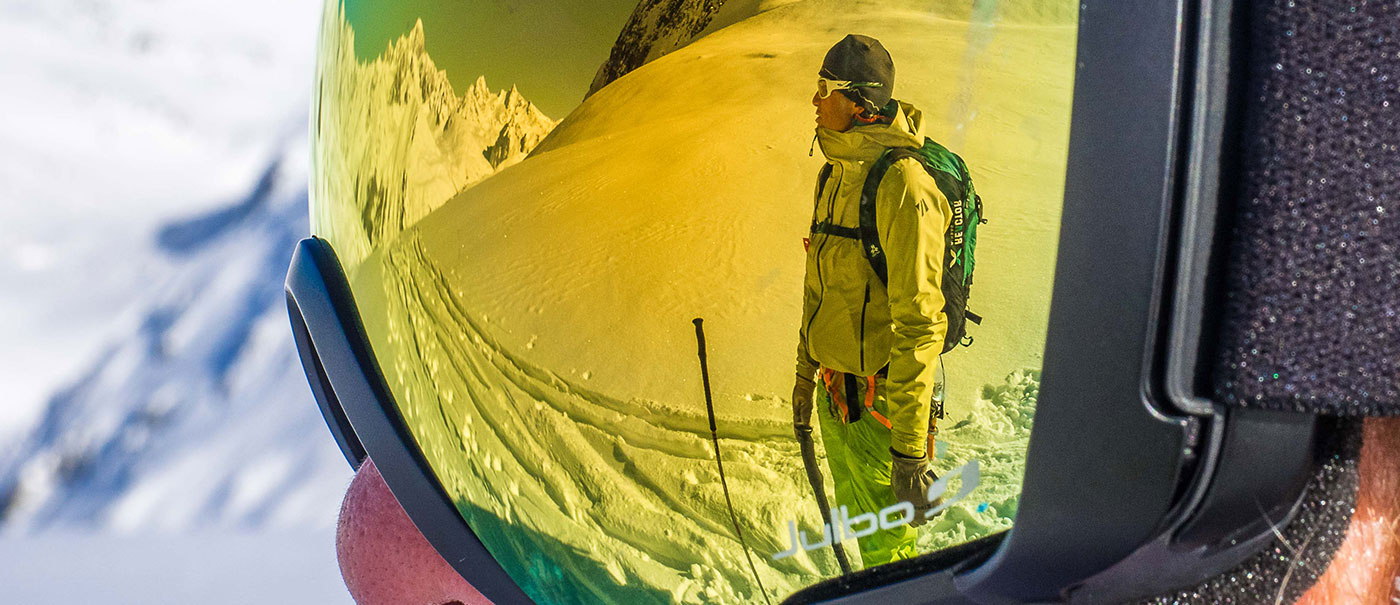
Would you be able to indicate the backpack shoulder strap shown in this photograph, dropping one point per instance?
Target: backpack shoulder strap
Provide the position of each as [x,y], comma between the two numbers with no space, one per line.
[869,229]
[816,201]
[821,181]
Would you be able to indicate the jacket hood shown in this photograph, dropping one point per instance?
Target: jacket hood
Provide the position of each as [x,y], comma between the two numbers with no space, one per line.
[866,142]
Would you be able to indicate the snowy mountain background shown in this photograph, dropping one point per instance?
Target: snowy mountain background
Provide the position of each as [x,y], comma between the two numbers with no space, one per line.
[197,414]
[121,116]
[197,417]
[158,442]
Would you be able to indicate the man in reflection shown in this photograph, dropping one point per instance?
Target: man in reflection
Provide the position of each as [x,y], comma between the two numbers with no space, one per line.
[868,349]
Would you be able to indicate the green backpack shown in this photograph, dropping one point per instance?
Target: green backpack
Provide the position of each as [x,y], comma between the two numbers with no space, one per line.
[949,172]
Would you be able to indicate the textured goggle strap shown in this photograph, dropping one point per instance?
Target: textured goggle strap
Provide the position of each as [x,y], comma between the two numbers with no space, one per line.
[1312,298]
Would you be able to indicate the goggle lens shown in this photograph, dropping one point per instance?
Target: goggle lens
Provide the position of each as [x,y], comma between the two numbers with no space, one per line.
[527,285]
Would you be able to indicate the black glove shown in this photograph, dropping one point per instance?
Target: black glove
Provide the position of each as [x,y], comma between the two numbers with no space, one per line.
[802,406]
[910,479]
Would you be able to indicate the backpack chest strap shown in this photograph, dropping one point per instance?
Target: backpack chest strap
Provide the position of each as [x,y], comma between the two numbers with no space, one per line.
[831,228]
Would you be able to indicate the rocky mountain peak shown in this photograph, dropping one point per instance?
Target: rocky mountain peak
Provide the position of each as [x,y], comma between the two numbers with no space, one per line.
[655,28]
[478,89]
[415,37]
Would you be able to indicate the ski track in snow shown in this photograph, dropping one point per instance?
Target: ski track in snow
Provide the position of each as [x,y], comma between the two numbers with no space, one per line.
[628,490]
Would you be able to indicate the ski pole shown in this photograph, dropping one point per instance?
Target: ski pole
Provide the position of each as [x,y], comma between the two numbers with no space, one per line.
[714,436]
[814,476]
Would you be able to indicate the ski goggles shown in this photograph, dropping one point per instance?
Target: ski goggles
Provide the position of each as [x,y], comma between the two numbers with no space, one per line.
[501,307]
[827,86]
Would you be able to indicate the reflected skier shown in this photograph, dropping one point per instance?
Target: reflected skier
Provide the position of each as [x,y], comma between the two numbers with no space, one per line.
[887,275]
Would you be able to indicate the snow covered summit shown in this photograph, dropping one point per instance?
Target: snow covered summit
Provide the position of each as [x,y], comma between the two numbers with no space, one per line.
[457,140]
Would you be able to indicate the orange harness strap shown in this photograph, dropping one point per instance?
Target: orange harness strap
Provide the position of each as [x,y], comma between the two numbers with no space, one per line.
[833,388]
[870,401]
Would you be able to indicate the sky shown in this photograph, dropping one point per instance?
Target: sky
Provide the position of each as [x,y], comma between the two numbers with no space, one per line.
[549,50]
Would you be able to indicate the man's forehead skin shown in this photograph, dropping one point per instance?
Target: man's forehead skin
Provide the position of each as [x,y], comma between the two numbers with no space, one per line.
[1366,569]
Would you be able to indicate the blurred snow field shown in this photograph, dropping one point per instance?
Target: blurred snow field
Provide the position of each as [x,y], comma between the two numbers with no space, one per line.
[158,443]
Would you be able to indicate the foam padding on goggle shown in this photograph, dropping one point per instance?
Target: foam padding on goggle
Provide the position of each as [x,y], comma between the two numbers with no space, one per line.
[1312,291]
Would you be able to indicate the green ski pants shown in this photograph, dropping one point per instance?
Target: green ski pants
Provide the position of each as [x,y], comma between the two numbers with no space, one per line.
[858,455]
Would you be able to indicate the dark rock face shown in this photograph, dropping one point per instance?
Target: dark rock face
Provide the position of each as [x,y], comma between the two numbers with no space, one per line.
[656,27]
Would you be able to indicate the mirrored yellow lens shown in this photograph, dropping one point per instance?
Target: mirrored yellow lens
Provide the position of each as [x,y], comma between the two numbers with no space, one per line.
[534,200]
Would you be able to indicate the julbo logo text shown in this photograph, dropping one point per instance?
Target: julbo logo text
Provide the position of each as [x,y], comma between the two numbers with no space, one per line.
[890,517]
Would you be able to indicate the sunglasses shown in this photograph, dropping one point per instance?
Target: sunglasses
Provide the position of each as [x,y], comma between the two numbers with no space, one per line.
[522,359]
[826,86]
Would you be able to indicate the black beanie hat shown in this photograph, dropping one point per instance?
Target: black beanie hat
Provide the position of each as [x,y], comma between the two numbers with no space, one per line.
[860,58]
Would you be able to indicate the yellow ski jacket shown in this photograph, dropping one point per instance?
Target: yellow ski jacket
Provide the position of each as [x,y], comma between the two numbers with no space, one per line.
[850,321]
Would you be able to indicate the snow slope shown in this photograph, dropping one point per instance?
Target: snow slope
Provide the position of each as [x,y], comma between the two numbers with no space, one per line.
[546,353]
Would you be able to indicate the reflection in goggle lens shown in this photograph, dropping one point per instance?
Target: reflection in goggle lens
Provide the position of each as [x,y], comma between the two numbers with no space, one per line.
[527,263]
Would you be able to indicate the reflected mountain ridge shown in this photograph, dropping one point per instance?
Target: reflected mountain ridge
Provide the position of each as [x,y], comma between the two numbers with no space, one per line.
[394,181]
